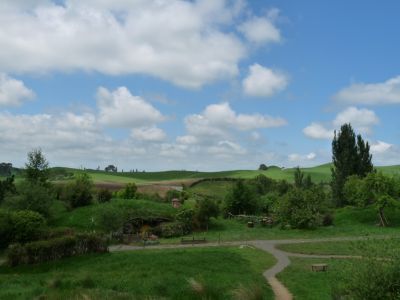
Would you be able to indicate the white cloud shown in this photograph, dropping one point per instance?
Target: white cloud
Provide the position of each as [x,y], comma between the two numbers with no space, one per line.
[263,82]
[13,92]
[380,147]
[184,42]
[318,131]
[261,30]
[361,119]
[301,158]
[121,109]
[226,148]
[387,92]
[218,120]
[149,134]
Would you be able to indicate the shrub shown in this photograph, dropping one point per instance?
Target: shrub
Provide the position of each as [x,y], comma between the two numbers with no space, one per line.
[104,195]
[172,229]
[27,226]
[6,228]
[34,197]
[112,218]
[302,208]
[129,192]
[205,209]
[54,249]
[242,199]
[185,216]
[79,193]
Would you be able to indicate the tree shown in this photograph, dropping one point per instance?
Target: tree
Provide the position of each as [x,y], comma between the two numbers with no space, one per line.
[298,178]
[205,209]
[263,167]
[350,156]
[129,192]
[7,186]
[79,192]
[37,167]
[111,168]
[241,199]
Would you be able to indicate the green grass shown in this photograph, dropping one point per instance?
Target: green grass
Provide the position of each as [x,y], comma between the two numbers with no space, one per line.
[308,285]
[140,275]
[348,221]
[86,218]
[338,248]
[216,189]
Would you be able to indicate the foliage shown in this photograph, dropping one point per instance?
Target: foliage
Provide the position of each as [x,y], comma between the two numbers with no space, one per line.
[104,195]
[172,229]
[376,276]
[55,249]
[301,208]
[350,155]
[263,184]
[186,217]
[6,228]
[129,192]
[7,187]
[298,178]
[375,189]
[32,196]
[37,167]
[171,194]
[27,226]
[204,210]
[79,192]
[111,218]
[263,167]
[241,199]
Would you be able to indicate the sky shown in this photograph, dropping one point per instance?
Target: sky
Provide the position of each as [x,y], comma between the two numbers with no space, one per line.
[197,85]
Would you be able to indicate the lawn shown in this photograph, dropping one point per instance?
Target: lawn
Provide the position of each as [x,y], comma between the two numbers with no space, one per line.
[338,248]
[216,189]
[151,274]
[308,285]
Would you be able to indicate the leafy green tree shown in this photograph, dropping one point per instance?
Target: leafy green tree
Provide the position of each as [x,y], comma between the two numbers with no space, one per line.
[129,192]
[27,226]
[263,167]
[7,186]
[104,195]
[80,192]
[241,199]
[204,210]
[350,156]
[301,208]
[37,167]
[298,178]
[263,184]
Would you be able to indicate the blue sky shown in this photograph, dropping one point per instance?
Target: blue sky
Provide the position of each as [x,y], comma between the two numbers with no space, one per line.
[204,85]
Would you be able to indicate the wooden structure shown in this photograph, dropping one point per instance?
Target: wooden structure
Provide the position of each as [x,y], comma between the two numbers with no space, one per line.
[319,267]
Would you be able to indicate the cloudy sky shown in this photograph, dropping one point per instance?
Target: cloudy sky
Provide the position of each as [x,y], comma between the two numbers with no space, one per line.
[200,85]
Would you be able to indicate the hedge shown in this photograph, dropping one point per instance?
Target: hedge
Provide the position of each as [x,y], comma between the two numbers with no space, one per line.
[54,249]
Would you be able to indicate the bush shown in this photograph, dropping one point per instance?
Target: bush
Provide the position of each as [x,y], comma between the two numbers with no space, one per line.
[302,209]
[6,229]
[79,193]
[172,229]
[205,209]
[242,199]
[129,192]
[112,218]
[104,195]
[27,226]
[185,217]
[34,197]
[54,249]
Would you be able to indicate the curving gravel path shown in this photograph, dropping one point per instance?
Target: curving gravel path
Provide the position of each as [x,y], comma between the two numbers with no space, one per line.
[282,257]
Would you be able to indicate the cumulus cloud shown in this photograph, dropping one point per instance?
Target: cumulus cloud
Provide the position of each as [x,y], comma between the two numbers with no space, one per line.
[362,121]
[263,82]
[13,92]
[380,147]
[387,92]
[121,109]
[149,134]
[184,42]
[218,120]
[318,131]
[261,30]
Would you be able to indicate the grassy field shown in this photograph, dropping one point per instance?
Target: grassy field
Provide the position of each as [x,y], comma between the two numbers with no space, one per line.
[86,217]
[338,248]
[151,274]
[216,189]
[308,285]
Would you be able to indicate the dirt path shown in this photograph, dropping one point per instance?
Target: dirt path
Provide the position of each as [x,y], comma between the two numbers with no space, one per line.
[282,257]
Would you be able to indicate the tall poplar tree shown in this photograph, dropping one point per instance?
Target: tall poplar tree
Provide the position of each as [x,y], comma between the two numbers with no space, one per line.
[350,156]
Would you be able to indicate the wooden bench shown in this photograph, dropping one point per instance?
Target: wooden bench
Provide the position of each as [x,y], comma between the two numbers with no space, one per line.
[319,267]
[193,241]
